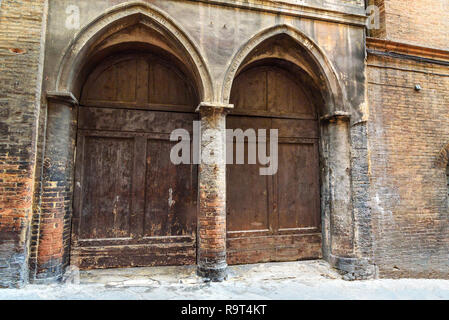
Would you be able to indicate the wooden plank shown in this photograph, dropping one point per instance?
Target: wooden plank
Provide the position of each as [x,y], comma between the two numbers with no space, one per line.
[244,184]
[297,182]
[170,199]
[107,187]
[274,248]
[138,196]
[123,120]
[135,255]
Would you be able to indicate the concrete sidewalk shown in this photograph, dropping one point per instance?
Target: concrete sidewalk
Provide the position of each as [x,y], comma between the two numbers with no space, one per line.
[290,280]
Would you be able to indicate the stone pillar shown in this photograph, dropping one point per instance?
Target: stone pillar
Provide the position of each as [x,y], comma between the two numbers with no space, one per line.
[212,192]
[341,219]
[57,187]
[339,241]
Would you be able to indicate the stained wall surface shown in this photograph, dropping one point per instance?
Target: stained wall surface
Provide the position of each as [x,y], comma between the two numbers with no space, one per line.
[21,48]
[396,137]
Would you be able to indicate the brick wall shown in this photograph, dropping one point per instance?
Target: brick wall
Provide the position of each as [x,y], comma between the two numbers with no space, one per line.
[20,78]
[407,131]
[421,22]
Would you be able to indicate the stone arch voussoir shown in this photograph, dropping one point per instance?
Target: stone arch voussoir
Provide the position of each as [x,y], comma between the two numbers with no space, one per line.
[75,52]
[336,102]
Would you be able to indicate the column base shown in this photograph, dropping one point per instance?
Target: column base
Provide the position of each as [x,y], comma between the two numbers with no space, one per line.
[353,268]
[213,274]
[48,274]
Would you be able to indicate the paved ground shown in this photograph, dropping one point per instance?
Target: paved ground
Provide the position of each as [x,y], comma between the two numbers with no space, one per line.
[291,280]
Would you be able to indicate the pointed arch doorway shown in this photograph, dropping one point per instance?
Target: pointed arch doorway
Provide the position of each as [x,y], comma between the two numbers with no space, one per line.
[132,205]
[275,218]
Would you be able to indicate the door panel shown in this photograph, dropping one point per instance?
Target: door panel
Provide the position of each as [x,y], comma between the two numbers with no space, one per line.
[170,198]
[243,212]
[297,186]
[133,207]
[106,205]
[246,185]
[274,218]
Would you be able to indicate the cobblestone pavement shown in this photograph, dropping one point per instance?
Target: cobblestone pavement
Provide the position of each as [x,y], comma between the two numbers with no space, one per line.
[290,280]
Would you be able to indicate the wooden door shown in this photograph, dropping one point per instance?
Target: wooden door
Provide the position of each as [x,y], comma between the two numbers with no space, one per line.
[132,205]
[274,218]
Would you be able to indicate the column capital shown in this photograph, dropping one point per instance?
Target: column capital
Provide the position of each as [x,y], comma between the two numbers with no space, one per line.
[63,97]
[214,106]
[337,115]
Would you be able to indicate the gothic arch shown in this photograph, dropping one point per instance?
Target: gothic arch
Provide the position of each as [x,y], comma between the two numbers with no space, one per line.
[338,244]
[125,28]
[333,94]
[119,18]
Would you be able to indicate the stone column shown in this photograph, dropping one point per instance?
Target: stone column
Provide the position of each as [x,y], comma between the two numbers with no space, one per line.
[341,219]
[57,187]
[212,192]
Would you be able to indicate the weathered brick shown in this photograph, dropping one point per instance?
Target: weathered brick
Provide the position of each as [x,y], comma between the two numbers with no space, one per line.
[407,131]
[20,70]
[421,22]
